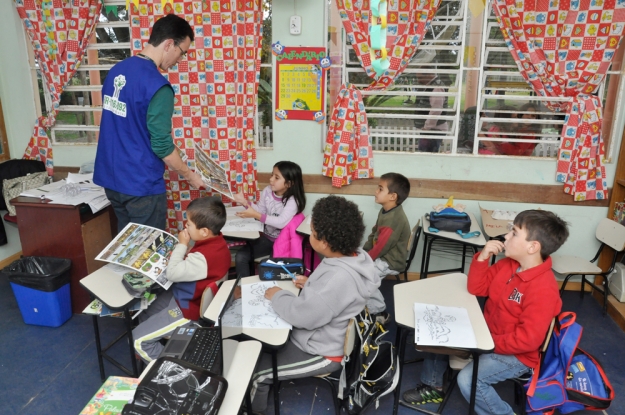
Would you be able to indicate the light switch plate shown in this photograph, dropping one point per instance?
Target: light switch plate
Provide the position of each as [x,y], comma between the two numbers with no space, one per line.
[295,25]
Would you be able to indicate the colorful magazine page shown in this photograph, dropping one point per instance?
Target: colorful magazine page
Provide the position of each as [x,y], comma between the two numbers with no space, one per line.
[111,398]
[212,173]
[143,249]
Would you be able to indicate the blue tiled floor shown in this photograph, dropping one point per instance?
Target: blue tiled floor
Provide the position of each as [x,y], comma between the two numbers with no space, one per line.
[55,371]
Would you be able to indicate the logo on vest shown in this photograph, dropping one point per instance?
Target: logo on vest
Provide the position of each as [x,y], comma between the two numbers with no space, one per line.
[515,296]
[113,103]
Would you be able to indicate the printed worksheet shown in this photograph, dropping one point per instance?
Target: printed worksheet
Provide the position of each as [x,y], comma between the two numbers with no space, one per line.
[257,310]
[443,326]
[236,224]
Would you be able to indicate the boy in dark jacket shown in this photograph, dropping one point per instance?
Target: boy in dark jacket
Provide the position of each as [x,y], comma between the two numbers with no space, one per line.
[523,298]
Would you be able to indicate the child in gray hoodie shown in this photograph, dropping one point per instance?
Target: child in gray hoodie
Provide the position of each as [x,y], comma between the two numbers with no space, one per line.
[334,293]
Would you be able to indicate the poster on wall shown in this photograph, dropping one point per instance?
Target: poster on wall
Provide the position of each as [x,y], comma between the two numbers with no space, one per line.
[300,80]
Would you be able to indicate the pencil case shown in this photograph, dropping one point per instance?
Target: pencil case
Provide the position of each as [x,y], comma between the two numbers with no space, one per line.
[272,269]
[450,220]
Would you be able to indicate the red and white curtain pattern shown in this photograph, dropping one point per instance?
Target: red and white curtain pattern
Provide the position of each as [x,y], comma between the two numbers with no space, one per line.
[564,49]
[59,31]
[348,154]
[215,90]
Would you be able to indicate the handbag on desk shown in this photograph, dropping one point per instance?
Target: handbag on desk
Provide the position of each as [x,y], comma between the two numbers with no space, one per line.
[11,188]
[271,269]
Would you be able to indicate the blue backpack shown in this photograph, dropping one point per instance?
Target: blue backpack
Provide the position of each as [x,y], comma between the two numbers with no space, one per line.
[567,378]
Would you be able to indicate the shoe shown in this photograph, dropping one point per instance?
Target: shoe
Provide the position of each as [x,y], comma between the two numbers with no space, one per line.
[422,395]
[382,317]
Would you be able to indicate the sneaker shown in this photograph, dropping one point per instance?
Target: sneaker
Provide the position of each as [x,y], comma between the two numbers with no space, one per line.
[382,317]
[422,395]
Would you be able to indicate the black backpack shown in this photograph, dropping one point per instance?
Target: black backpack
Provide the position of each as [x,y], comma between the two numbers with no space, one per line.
[375,372]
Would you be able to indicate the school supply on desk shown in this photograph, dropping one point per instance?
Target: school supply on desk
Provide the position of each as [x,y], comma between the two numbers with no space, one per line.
[202,346]
[443,326]
[568,378]
[276,269]
[172,386]
[111,398]
[141,249]
[449,217]
[213,175]
[97,308]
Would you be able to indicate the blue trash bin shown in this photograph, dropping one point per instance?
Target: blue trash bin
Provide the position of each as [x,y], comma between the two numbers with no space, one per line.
[41,288]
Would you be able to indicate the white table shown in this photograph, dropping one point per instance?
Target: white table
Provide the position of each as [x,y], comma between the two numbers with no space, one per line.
[246,236]
[430,237]
[273,339]
[240,360]
[444,290]
[106,286]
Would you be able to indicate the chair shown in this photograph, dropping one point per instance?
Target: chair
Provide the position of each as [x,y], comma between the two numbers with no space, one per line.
[348,349]
[609,233]
[413,241]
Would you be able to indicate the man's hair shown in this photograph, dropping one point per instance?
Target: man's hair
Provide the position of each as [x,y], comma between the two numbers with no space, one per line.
[337,221]
[207,212]
[171,27]
[544,227]
[397,184]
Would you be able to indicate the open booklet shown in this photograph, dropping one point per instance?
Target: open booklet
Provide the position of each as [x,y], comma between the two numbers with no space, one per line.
[143,249]
[213,175]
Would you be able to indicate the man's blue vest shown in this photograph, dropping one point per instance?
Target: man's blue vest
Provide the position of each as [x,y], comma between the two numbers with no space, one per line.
[125,161]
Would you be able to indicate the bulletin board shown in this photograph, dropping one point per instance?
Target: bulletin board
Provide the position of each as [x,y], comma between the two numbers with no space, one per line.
[300,80]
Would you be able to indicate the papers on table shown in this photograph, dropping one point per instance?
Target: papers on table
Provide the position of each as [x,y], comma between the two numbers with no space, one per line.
[503,214]
[443,326]
[236,224]
[257,310]
[90,193]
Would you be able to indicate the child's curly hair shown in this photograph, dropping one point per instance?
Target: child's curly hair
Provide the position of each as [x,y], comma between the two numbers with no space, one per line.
[337,221]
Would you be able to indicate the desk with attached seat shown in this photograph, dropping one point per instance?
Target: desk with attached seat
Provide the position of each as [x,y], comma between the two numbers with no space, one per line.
[444,290]
[429,237]
[272,339]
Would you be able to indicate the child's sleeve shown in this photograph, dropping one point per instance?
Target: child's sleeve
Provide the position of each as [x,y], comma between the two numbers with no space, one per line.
[480,276]
[261,207]
[279,222]
[369,243]
[387,239]
[191,268]
[307,311]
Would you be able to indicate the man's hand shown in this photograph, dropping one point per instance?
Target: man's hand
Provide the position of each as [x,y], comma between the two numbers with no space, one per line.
[491,248]
[271,291]
[183,237]
[195,180]
[299,281]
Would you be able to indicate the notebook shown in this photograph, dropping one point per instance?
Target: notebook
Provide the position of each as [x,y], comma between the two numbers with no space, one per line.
[186,377]
[202,346]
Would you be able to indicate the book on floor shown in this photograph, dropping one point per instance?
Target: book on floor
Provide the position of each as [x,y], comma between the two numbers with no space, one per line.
[112,396]
[142,249]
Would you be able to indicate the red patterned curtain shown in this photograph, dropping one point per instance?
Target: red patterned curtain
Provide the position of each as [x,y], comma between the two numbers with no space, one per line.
[564,49]
[59,31]
[347,153]
[215,90]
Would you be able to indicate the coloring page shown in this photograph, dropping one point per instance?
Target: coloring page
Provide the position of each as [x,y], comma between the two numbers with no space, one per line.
[257,310]
[236,224]
[443,326]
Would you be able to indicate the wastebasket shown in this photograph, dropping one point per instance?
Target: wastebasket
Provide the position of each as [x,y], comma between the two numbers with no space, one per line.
[41,288]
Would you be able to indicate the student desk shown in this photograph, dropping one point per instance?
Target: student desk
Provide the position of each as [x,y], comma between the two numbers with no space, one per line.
[107,287]
[273,339]
[445,290]
[430,237]
[240,360]
[65,231]
[247,236]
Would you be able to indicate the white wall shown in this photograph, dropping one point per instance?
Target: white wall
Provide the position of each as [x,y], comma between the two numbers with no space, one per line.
[300,141]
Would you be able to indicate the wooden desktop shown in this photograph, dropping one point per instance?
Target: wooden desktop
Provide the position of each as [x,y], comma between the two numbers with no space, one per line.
[65,231]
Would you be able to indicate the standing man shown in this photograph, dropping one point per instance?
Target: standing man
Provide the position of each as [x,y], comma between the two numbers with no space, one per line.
[135,133]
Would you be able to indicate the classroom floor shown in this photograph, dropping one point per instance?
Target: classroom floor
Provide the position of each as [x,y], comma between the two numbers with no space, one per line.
[55,370]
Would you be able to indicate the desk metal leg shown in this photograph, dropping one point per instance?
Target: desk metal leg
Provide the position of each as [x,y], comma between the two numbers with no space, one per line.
[131,342]
[423,257]
[276,383]
[427,257]
[400,344]
[464,255]
[476,359]
[98,346]
[252,263]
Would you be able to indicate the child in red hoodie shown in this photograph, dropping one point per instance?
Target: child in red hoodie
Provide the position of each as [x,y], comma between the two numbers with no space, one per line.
[523,298]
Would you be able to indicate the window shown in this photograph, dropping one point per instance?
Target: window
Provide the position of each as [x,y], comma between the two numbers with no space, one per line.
[447,74]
